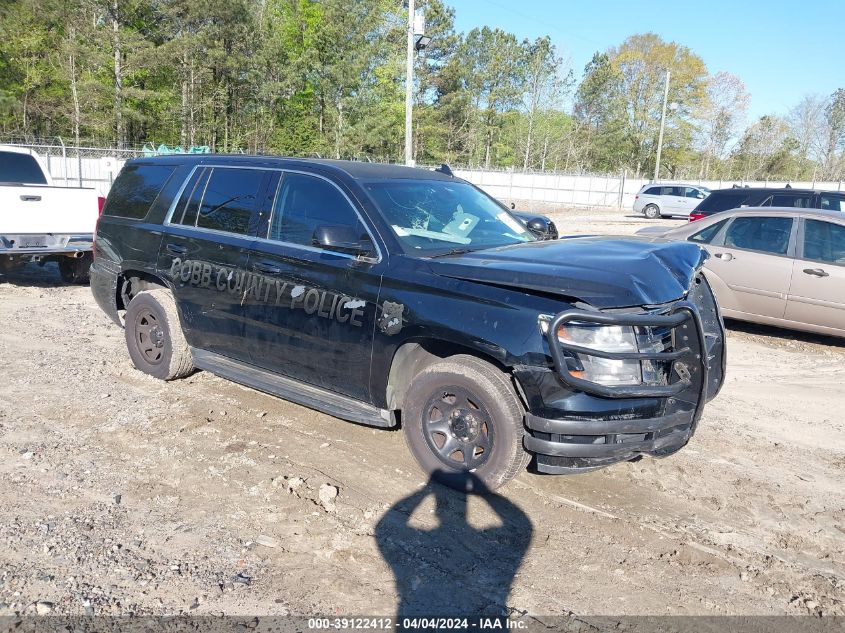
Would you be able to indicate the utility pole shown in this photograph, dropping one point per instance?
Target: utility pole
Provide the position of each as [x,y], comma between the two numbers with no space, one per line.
[662,123]
[409,87]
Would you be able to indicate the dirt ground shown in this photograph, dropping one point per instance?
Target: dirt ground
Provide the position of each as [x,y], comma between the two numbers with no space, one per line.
[121,494]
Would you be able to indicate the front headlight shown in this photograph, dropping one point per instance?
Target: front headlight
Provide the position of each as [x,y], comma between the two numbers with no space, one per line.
[610,338]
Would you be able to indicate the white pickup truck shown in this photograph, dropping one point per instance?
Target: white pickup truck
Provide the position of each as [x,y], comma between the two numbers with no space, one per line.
[40,222]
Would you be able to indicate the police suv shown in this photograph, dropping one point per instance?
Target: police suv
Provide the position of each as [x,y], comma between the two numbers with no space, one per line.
[401,297]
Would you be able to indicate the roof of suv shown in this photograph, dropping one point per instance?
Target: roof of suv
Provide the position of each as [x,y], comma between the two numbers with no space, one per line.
[764,190]
[353,169]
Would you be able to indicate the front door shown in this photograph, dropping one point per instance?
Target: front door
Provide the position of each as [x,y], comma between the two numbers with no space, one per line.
[755,265]
[204,252]
[313,317]
[817,293]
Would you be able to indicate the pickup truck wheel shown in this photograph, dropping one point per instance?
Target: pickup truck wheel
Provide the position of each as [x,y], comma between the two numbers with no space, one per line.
[76,270]
[462,417]
[652,211]
[154,336]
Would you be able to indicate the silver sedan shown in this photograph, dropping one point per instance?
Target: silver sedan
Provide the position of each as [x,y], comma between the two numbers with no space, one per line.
[777,266]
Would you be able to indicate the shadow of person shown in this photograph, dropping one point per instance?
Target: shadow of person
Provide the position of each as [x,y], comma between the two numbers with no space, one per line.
[453,568]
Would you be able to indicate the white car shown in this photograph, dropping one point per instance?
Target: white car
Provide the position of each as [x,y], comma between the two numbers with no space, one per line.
[41,222]
[657,201]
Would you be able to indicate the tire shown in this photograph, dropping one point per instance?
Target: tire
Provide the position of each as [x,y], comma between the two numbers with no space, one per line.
[76,270]
[154,336]
[652,211]
[474,403]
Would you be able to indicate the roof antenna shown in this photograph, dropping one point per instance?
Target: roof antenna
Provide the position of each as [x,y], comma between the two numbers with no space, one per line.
[445,169]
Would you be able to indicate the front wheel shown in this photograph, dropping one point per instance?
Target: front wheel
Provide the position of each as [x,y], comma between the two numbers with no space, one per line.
[652,212]
[154,336]
[462,421]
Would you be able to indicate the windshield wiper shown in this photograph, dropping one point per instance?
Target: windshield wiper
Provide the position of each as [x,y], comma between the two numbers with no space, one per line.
[454,251]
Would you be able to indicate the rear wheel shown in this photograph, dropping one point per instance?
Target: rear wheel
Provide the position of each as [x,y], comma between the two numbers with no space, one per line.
[652,211]
[462,421]
[154,336]
[76,270]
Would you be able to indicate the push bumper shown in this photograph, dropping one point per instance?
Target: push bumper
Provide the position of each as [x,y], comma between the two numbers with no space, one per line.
[574,425]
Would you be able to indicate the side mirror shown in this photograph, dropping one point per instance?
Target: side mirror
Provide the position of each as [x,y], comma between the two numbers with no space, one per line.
[344,239]
[538,226]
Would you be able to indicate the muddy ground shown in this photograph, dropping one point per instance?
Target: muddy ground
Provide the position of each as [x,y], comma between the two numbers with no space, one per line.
[122,494]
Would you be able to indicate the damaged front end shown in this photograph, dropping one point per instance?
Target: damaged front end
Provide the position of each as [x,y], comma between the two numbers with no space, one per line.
[622,383]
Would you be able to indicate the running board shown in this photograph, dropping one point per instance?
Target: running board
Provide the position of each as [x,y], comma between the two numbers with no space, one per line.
[316,398]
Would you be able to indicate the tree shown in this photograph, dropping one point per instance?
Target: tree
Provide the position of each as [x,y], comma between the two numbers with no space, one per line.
[493,76]
[600,114]
[723,114]
[833,137]
[642,62]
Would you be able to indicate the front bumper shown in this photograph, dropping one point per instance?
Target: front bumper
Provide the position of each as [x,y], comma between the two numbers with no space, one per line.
[573,425]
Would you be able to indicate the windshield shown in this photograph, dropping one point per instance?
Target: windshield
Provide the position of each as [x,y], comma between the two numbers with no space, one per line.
[435,216]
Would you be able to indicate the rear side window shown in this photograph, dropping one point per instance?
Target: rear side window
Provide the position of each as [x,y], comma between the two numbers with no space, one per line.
[220,198]
[652,191]
[722,201]
[765,235]
[832,201]
[824,242]
[673,191]
[706,236]
[135,190]
[305,203]
[22,168]
[801,201]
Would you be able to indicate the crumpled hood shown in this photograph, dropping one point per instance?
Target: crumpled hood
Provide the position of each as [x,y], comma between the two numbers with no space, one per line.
[606,272]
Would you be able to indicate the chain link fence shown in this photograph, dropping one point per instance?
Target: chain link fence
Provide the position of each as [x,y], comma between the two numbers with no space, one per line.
[97,167]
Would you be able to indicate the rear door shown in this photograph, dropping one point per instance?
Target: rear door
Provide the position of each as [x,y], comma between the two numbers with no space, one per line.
[314,319]
[204,249]
[673,200]
[817,293]
[755,264]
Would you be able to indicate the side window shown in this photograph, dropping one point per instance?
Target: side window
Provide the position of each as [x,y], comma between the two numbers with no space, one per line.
[135,190]
[186,209]
[229,199]
[652,191]
[824,242]
[305,203]
[801,201]
[692,192]
[673,191]
[766,235]
[832,201]
[706,236]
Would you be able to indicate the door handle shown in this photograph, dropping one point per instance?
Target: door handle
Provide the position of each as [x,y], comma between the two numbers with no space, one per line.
[264,267]
[724,256]
[176,249]
[26,198]
[816,272]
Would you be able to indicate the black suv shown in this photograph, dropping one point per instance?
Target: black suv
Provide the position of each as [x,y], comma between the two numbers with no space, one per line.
[394,296]
[736,197]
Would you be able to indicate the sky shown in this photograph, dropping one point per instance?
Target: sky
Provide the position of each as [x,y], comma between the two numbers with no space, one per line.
[781,50]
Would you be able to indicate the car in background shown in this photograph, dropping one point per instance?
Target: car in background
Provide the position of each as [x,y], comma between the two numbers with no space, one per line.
[736,197]
[776,266]
[657,201]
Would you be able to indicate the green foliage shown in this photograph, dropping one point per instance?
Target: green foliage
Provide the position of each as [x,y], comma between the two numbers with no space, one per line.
[327,77]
